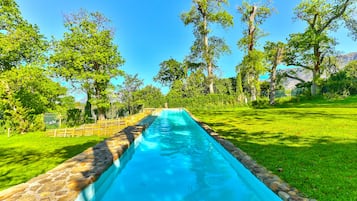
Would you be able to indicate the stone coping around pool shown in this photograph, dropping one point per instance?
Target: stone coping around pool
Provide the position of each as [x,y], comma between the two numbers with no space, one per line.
[67,180]
[277,185]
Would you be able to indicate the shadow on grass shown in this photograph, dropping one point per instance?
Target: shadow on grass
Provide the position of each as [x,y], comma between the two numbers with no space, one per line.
[318,166]
[19,164]
[349,102]
[324,171]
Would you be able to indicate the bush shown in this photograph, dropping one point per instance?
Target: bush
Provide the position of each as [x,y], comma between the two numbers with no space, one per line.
[204,101]
[260,103]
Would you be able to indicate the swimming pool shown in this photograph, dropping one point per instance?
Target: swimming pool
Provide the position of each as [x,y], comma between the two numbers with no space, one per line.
[175,159]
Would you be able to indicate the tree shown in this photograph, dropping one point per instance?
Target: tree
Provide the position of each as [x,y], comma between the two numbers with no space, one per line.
[127,91]
[206,48]
[87,56]
[20,42]
[252,66]
[25,94]
[150,96]
[274,56]
[310,49]
[253,62]
[170,70]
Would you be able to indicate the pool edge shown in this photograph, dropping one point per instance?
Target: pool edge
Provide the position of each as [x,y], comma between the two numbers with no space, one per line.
[281,188]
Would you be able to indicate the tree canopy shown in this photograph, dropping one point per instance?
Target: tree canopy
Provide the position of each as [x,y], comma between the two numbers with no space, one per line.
[88,56]
[253,63]
[206,48]
[20,41]
[25,94]
[311,49]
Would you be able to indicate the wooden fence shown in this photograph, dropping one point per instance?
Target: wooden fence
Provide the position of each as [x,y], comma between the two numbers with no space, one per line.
[101,128]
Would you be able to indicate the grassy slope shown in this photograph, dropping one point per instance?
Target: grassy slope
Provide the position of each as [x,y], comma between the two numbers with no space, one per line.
[23,157]
[314,142]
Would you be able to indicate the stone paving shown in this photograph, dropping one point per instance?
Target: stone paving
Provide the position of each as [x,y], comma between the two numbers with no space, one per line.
[66,181]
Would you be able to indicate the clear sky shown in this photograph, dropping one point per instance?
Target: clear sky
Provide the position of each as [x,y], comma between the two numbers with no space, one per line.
[149,32]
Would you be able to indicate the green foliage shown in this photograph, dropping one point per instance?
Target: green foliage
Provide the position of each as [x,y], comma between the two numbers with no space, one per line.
[20,42]
[151,97]
[254,16]
[26,93]
[207,49]
[88,56]
[74,117]
[252,66]
[260,103]
[343,82]
[170,70]
[253,63]
[312,48]
[203,101]
[127,91]
[193,85]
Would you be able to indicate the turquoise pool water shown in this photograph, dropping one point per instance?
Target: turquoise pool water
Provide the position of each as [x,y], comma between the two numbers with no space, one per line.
[175,160]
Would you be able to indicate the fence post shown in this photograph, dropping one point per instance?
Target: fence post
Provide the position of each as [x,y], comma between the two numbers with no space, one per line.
[105,128]
[8,132]
[84,130]
[55,134]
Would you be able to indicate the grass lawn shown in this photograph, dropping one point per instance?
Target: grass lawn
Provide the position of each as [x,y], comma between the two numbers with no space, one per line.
[314,142]
[23,157]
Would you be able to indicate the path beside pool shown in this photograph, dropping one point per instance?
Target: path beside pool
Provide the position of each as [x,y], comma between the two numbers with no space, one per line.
[67,180]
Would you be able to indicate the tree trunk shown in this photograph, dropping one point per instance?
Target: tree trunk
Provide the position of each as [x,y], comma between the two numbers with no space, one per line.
[253,12]
[101,113]
[253,92]
[277,60]
[272,86]
[314,86]
[207,56]
[252,88]
[88,109]
[316,71]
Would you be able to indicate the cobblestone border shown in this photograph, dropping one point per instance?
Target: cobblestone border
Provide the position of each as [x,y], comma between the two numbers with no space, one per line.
[277,185]
[68,179]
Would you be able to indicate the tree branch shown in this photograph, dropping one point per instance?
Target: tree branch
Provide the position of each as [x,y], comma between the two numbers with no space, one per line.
[343,9]
[300,65]
[285,74]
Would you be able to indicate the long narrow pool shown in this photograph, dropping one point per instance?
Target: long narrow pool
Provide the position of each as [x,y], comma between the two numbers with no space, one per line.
[175,159]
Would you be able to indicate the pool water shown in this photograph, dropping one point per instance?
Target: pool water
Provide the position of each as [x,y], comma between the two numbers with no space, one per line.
[175,159]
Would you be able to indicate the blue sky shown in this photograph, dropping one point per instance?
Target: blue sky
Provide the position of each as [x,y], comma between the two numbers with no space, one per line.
[149,32]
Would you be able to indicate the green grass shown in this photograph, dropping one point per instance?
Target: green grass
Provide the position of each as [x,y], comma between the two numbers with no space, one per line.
[23,157]
[314,142]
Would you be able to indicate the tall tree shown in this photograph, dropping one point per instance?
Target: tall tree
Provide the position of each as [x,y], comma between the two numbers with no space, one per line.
[253,62]
[274,55]
[206,48]
[310,49]
[20,41]
[131,85]
[170,70]
[88,56]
